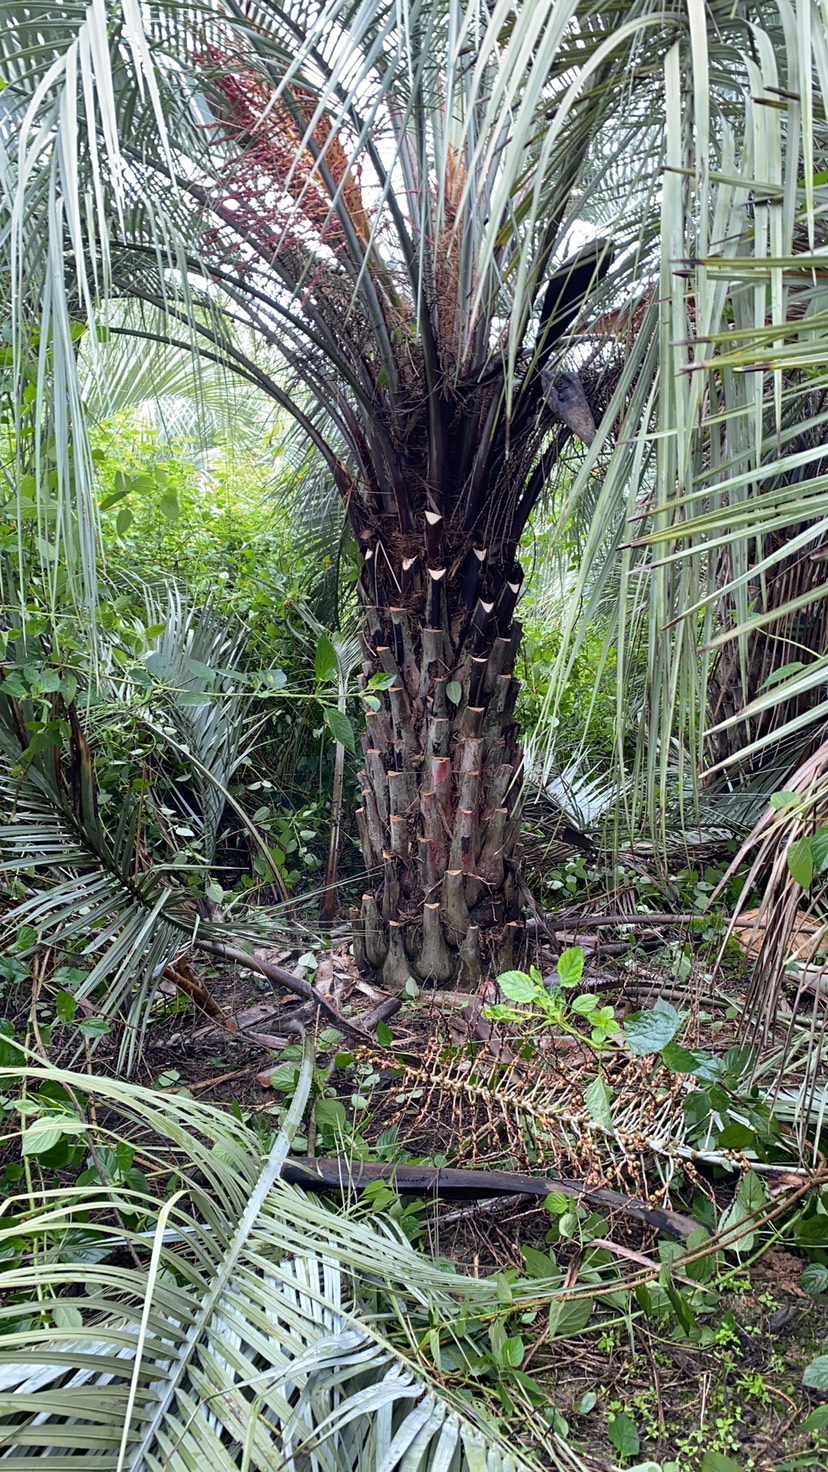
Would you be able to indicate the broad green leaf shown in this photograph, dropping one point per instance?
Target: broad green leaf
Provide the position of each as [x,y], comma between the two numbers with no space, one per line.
[114,497]
[340,727]
[678,1300]
[814,1279]
[782,674]
[10,1054]
[815,1375]
[819,850]
[160,666]
[813,1231]
[801,862]
[540,1264]
[454,692]
[644,1299]
[517,986]
[598,1099]
[93,1027]
[717,1462]
[751,1195]
[702,1270]
[193,697]
[623,1434]
[752,1191]
[330,1114]
[325,661]
[169,507]
[817,1421]
[782,800]
[736,1136]
[650,1031]
[679,1059]
[569,1316]
[65,1006]
[284,1077]
[329,1037]
[201,670]
[570,966]
[44,1133]
[537,1393]
[66,1316]
[123,521]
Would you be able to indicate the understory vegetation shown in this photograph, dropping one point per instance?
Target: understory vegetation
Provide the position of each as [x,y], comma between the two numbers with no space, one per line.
[413,760]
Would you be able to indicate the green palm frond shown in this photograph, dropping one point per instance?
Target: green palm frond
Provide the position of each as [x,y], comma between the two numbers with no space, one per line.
[707,533]
[84,889]
[196,656]
[135,370]
[233,1323]
[96,883]
[136,175]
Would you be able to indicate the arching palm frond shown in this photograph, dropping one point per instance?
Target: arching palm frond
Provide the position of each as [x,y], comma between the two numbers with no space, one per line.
[196,656]
[258,172]
[168,388]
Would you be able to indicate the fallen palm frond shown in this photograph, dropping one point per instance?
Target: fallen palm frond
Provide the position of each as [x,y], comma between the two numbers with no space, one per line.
[195,1311]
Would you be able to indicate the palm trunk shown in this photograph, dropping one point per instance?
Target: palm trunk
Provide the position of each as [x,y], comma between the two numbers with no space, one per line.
[442,773]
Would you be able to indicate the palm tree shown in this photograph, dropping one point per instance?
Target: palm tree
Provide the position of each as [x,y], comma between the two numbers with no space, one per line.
[329,192]
[388,198]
